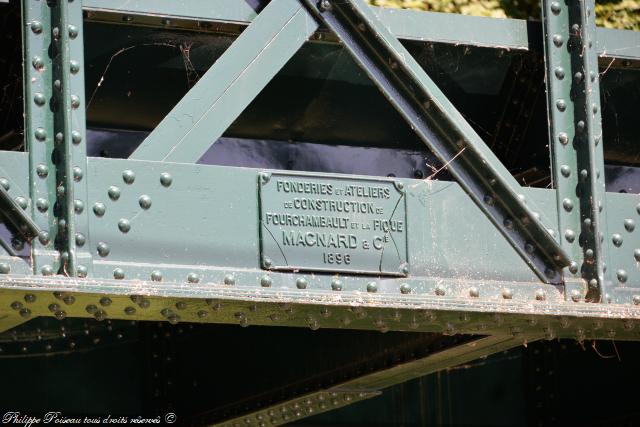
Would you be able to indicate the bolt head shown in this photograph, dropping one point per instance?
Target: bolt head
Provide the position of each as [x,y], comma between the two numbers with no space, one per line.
[99,209]
[372,287]
[144,201]
[166,179]
[301,283]
[124,225]
[103,249]
[266,281]
[118,274]
[128,176]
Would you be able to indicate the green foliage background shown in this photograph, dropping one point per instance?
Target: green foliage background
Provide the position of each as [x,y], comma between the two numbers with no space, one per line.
[623,14]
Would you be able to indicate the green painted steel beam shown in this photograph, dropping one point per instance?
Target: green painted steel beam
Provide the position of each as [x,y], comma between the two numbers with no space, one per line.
[576,139]
[443,129]
[510,34]
[232,82]
[370,385]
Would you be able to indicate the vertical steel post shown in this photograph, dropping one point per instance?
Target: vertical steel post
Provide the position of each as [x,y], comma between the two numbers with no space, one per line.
[576,140]
[55,126]
[39,131]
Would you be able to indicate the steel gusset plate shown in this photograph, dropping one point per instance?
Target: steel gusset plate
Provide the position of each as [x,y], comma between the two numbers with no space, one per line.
[443,129]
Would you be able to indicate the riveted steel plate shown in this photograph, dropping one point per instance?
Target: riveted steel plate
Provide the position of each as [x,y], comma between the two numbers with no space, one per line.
[335,224]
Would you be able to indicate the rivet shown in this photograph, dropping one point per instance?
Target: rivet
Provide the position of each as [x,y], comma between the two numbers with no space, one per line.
[60,190]
[53,307]
[474,292]
[372,287]
[593,283]
[266,262]
[594,108]
[578,76]
[75,101]
[587,223]
[202,314]
[124,225]
[57,85]
[73,31]
[508,223]
[629,225]
[229,279]
[99,209]
[91,308]
[37,63]
[559,72]
[507,293]
[617,240]
[575,295]
[130,310]
[580,126]
[74,66]
[118,273]
[60,314]
[47,270]
[555,7]
[106,301]
[39,99]
[440,290]
[30,298]
[567,204]
[563,138]
[591,73]
[114,192]
[128,176]
[405,288]
[100,315]
[636,299]
[76,137]
[193,278]
[265,177]
[166,179]
[301,283]
[77,174]
[488,199]
[588,254]
[622,275]
[541,295]
[156,276]
[25,312]
[144,303]
[36,27]
[17,243]
[565,171]
[529,248]
[573,267]
[336,284]
[324,5]
[103,249]
[144,201]
[43,237]
[40,134]
[69,299]
[174,319]
[80,239]
[265,281]
[42,204]
[16,305]
[78,206]
[557,40]
[636,254]
[5,183]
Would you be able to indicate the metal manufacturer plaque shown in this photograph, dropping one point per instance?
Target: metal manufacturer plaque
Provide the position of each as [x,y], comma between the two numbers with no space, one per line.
[312,223]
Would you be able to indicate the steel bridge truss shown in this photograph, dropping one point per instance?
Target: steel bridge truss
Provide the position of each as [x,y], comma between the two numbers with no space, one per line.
[159,237]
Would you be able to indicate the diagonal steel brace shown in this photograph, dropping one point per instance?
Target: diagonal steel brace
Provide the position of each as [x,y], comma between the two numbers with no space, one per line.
[443,129]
